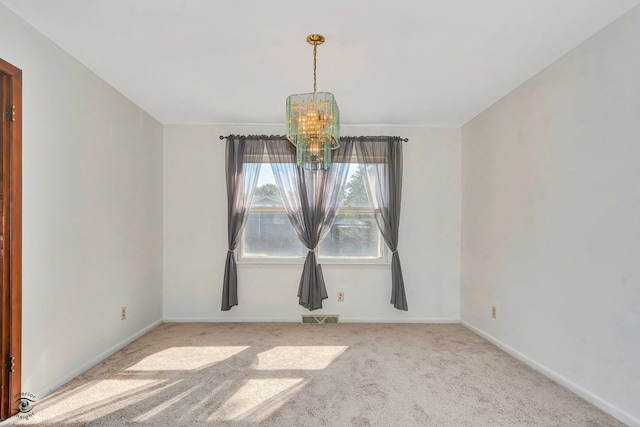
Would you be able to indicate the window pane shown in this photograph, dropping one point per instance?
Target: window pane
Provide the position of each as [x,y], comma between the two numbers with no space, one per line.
[353,235]
[355,193]
[270,234]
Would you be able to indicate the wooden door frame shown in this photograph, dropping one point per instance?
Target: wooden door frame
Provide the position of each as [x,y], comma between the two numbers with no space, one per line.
[12,182]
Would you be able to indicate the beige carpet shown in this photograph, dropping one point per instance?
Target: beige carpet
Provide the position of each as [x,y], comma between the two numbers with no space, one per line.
[285,374]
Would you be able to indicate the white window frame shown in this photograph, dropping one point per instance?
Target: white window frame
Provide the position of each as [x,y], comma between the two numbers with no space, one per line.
[384,258]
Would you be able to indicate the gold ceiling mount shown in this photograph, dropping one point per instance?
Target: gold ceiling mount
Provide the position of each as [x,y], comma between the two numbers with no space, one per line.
[315,39]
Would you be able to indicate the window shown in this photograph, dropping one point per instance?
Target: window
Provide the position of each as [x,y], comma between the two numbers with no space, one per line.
[354,237]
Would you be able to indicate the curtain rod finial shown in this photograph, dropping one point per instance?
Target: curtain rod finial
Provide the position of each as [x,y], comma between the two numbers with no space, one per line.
[222,137]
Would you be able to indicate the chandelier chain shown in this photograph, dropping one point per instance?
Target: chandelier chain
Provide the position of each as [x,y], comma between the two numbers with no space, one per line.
[315,49]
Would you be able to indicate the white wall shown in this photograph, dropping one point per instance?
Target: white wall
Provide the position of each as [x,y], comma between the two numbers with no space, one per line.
[92,212]
[551,220]
[195,236]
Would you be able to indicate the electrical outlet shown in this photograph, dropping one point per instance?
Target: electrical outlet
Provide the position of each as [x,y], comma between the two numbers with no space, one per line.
[340,296]
[493,311]
[123,313]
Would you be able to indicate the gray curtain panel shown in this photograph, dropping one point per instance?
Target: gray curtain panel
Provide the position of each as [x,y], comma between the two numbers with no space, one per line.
[383,181]
[311,199]
[243,158]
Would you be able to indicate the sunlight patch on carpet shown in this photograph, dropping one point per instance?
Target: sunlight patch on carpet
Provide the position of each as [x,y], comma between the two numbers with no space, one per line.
[157,410]
[107,396]
[186,358]
[257,399]
[299,357]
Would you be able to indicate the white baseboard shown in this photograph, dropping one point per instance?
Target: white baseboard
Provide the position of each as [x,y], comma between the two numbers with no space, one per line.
[417,320]
[583,393]
[226,320]
[93,362]
[297,320]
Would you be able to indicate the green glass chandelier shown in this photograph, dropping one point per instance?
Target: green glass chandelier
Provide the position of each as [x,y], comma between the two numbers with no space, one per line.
[313,122]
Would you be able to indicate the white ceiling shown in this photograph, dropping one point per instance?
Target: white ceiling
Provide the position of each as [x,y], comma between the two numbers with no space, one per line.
[410,62]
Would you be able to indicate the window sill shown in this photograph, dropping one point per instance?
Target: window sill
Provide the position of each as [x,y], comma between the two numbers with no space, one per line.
[323,261]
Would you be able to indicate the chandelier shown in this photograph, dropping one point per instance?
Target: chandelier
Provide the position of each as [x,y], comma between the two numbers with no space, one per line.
[313,122]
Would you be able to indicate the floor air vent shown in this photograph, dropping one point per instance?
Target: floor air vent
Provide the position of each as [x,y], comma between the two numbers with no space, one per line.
[325,318]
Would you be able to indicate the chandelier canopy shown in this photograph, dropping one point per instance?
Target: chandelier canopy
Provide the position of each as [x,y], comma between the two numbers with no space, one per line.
[313,121]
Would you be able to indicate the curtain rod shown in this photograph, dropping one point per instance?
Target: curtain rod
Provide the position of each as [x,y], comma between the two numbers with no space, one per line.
[222,137]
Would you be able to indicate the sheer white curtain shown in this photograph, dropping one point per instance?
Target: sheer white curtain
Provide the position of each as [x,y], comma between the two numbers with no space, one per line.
[311,199]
